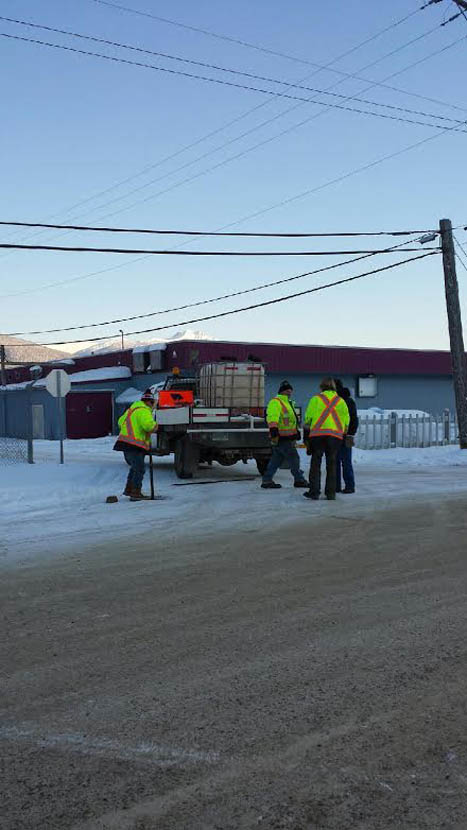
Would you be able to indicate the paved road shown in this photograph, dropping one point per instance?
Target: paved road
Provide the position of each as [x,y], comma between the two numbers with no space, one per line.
[311,678]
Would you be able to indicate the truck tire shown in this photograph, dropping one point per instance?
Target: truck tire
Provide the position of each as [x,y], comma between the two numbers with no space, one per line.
[186,458]
[262,463]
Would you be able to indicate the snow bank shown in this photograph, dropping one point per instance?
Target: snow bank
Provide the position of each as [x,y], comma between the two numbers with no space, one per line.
[48,508]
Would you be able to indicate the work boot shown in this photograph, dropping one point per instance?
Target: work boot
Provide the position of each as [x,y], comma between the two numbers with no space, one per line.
[301,483]
[137,495]
[331,496]
[310,495]
[271,485]
[348,490]
[128,491]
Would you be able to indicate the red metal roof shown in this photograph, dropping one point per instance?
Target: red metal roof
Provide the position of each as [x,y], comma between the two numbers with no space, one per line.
[283,358]
[287,359]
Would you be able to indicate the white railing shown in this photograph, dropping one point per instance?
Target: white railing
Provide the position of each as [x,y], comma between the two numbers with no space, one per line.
[389,430]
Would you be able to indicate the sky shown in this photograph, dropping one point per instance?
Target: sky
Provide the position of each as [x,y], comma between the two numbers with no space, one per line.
[93,141]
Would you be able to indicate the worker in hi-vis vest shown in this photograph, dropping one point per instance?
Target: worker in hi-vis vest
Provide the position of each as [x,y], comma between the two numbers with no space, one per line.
[326,422]
[284,431]
[136,427]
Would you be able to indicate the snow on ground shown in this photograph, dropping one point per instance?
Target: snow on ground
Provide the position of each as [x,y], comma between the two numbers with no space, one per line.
[47,508]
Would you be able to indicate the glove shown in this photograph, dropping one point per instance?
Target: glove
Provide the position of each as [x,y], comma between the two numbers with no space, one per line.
[274,436]
[349,441]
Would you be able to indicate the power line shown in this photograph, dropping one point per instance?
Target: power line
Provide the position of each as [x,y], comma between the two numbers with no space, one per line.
[251,307]
[463,251]
[237,138]
[250,75]
[211,233]
[393,249]
[222,82]
[329,66]
[175,252]
[255,46]
[242,153]
[100,272]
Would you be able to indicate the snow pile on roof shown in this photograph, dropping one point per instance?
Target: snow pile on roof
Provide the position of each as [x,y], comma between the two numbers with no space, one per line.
[153,347]
[105,373]
[114,344]
[129,395]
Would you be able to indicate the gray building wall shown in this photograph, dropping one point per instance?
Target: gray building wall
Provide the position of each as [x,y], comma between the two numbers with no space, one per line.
[429,393]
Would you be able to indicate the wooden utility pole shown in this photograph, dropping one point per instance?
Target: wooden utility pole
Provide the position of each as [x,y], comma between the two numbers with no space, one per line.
[459,372]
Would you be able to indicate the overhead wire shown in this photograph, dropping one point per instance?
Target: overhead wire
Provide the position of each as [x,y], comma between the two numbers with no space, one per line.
[274,283]
[233,84]
[459,257]
[328,66]
[263,304]
[278,94]
[242,153]
[99,272]
[255,46]
[167,232]
[177,252]
[251,75]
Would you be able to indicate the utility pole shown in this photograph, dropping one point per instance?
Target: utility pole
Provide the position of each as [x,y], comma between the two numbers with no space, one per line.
[459,373]
[122,333]
[2,364]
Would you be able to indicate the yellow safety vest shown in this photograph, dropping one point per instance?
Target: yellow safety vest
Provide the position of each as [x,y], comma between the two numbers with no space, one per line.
[136,426]
[281,414]
[327,414]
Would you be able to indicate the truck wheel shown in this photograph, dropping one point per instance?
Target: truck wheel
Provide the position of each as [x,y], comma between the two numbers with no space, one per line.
[186,458]
[262,464]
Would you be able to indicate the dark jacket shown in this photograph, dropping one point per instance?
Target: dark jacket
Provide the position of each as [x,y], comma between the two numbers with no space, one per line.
[352,407]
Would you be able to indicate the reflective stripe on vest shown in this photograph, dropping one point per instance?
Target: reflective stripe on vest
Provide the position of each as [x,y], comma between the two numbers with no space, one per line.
[329,411]
[286,430]
[130,438]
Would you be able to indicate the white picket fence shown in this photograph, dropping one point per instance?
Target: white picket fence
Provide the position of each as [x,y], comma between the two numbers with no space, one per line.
[389,430]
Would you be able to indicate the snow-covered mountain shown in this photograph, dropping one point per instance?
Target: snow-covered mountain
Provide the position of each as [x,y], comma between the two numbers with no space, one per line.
[114,344]
[23,351]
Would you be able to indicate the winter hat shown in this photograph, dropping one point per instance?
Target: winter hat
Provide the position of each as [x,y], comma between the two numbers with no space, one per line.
[147,396]
[284,386]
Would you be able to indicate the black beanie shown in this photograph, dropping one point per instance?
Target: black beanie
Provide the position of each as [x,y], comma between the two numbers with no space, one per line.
[284,385]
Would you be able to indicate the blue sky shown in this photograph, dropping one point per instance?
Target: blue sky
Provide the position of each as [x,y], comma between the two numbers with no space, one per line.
[77,125]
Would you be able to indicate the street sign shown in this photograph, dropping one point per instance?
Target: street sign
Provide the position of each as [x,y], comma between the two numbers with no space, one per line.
[58,383]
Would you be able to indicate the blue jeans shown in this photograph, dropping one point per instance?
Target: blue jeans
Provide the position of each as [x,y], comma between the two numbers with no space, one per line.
[284,451]
[345,468]
[135,460]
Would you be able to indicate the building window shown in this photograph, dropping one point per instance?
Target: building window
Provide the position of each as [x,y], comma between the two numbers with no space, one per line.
[368,387]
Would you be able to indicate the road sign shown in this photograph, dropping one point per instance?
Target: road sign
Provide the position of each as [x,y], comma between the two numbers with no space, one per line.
[58,383]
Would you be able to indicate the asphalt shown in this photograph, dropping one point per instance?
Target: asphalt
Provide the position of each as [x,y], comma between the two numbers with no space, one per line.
[310,677]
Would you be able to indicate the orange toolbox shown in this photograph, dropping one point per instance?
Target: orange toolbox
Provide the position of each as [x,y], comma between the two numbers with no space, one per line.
[168,399]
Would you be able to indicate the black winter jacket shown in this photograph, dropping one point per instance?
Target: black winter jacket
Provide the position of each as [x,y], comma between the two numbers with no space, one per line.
[352,407]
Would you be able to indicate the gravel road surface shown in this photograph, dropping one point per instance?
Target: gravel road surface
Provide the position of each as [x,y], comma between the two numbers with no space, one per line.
[310,677]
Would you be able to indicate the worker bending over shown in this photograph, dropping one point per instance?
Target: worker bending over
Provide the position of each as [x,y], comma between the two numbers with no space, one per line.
[284,431]
[326,423]
[136,426]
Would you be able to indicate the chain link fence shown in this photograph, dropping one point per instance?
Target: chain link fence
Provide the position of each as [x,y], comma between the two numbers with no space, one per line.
[16,431]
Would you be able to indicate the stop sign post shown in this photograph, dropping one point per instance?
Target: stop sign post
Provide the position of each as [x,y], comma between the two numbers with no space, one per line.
[58,384]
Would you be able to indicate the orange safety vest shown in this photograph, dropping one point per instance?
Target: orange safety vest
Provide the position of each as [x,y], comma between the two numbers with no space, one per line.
[318,429]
